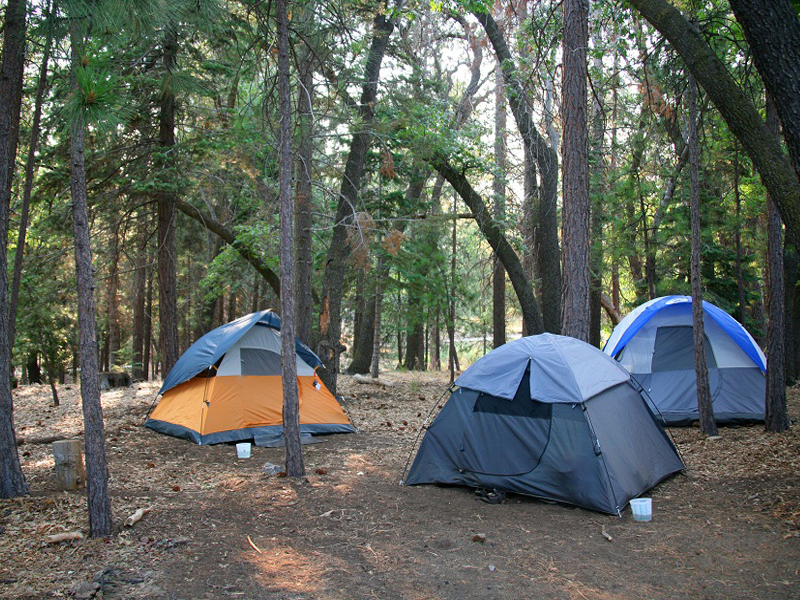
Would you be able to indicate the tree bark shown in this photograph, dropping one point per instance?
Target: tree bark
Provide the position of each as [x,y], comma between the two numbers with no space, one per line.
[291,394]
[792,336]
[376,322]
[537,152]
[331,314]
[251,255]
[531,314]
[499,188]
[30,165]
[94,435]
[772,30]
[737,238]
[139,373]
[12,480]
[303,197]
[708,425]
[575,178]
[774,167]
[112,301]
[776,417]
[167,251]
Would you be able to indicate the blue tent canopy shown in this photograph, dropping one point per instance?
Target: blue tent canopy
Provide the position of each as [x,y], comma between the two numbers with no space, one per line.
[640,317]
[206,351]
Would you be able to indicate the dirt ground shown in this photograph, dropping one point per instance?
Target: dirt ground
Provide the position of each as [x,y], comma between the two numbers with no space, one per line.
[218,527]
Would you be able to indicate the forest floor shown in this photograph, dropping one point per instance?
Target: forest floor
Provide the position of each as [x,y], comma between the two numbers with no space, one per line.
[218,527]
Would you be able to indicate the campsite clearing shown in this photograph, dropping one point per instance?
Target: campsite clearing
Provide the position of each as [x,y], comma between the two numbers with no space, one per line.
[219,528]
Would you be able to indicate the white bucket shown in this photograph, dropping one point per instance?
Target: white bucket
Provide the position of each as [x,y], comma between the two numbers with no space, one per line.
[642,509]
[243,450]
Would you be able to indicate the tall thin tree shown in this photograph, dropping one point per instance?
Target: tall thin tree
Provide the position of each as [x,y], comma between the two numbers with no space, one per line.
[776,417]
[291,410]
[499,188]
[575,177]
[708,425]
[167,277]
[94,435]
[12,480]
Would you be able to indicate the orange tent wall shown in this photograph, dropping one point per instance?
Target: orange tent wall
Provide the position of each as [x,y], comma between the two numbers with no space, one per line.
[237,402]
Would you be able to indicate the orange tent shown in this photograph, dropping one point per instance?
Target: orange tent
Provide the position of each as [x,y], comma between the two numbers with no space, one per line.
[227,387]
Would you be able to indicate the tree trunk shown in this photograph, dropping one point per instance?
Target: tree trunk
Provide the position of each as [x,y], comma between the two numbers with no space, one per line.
[255,304]
[537,152]
[708,425]
[363,340]
[167,252]
[147,342]
[358,316]
[49,368]
[597,221]
[739,112]
[139,294]
[94,436]
[331,314]
[376,322]
[304,305]
[291,394]
[737,237]
[12,481]
[112,300]
[776,417]
[531,314]
[772,30]
[575,186]
[250,254]
[499,188]
[792,329]
[452,359]
[415,347]
[30,164]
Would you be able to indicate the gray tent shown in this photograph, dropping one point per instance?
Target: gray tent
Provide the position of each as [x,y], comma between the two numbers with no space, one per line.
[552,417]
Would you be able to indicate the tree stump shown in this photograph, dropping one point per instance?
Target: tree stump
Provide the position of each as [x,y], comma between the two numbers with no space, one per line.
[114,379]
[70,474]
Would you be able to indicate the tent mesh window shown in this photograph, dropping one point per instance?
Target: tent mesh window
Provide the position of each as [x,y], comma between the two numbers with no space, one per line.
[258,361]
[674,349]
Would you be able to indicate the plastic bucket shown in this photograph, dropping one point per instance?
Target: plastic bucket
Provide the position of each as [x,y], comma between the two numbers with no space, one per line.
[642,509]
[243,450]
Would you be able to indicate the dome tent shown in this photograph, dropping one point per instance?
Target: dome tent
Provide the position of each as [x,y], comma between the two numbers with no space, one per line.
[547,416]
[227,387]
[655,344]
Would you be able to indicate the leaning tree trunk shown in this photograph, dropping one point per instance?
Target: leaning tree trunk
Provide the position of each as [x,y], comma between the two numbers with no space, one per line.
[167,253]
[330,345]
[12,481]
[772,30]
[575,152]
[94,435]
[736,108]
[531,315]
[538,152]
[708,425]
[291,406]
[776,418]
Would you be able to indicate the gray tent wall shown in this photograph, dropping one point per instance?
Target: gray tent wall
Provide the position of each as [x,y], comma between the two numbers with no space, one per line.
[597,454]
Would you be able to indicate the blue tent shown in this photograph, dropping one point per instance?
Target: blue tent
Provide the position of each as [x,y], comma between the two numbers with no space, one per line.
[655,343]
[547,416]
